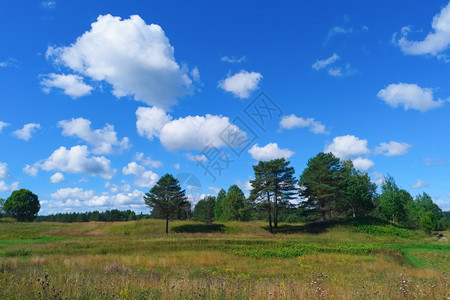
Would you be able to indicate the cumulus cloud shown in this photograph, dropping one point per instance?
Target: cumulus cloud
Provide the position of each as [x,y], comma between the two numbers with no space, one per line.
[5,188]
[191,132]
[177,166]
[269,152]
[103,140]
[143,177]
[72,85]
[31,170]
[3,125]
[410,96]
[77,160]
[233,60]
[78,199]
[292,121]
[4,170]
[118,188]
[347,146]
[363,164]
[135,58]
[57,177]
[150,121]
[241,84]
[27,130]
[148,161]
[436,41]
[196,132]
[420,184]
[392,148]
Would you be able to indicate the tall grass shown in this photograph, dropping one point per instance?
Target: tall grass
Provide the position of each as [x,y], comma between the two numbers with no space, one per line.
[136,260]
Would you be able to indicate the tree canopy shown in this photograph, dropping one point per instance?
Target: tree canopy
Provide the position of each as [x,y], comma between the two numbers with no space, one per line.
[22,205]
[319,185]
[273,187]
[166,197]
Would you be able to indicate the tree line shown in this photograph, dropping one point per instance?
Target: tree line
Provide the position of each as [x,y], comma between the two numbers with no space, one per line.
[327,189]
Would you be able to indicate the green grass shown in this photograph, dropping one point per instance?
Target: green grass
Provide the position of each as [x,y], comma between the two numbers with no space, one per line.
[346,259]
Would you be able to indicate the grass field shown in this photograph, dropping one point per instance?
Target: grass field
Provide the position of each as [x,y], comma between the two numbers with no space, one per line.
[136,260]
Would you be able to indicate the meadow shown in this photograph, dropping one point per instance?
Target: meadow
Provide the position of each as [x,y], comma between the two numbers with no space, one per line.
[233,260]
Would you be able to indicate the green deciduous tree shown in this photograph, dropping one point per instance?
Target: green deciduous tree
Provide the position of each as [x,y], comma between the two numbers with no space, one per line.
[204,210]
[166,197]
[320,185]
[356,193]
[393,201]
[233,205]
[218,210]
[22,205]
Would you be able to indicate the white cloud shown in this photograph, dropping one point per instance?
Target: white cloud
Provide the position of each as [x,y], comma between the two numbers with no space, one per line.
[5,188]
[78,199]
[150,121]
[31,170]
[103,140]
[117,188]
[73,194]
[143,177]
[135,58]
[292,121]
[8,63]
[48,4]
[392,148]
[363,164]
[195,74]
[269,152]
[195,132]
[334,70]
[347,146]
[3,125]
[246,186]
[214,189]
[347,70]
[323,63]
[148,161]
[233,59]
[420,184]
[57,177]
[410,96]
[196,158]
[72,85]
[177,166]
[26,131]
[76,160]
[378,178]
[191,132]
[241,84]
[339,30]
[437,41]
[4,171]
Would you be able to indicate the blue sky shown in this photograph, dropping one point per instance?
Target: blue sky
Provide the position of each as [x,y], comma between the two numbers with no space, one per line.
[101,98]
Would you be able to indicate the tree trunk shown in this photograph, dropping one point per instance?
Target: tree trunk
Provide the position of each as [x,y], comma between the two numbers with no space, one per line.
[269,209]
[167,225]
[275,213]
[270,220]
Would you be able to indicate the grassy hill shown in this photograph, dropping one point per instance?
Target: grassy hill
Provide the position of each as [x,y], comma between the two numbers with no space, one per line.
[350,259]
